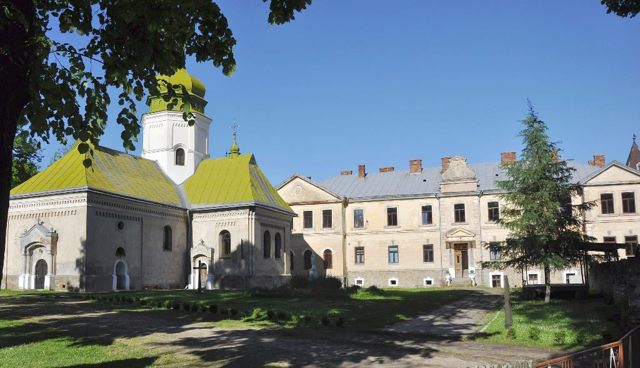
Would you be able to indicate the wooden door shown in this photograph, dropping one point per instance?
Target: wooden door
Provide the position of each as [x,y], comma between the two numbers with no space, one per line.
[203,276]
[458,262]
[41,272]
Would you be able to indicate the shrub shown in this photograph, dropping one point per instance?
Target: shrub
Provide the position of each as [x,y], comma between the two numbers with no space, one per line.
[283,316]
[130,300]
[299,282]
[168,304]
[329,283]
[143,301]
[194,307]
[511,333]
[339,322]
[271,315]
[353,289]
[534,333]
[175,306]
[159,304]
[258,314]
[325,321]
[559,337]
[374,290]
[582,338]
[233,312]
[306,319]
[213,308]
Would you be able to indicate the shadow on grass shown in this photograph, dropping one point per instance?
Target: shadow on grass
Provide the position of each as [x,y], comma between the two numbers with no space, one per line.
[129,363]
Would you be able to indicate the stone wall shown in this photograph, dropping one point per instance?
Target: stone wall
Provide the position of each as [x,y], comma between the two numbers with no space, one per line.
[620,282]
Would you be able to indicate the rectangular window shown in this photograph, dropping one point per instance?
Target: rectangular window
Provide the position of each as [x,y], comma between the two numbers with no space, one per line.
[427,253]
[628,202]
[427,215]
[609,239]
[533,279]
[392,216]
[632,245]
[494,211]
[611,255]
[307,219]
[394,256]
[458,212]
[496,281]
[606,203]
[359,255]
[358,219]
[327,219]
[568,277]
[495,254]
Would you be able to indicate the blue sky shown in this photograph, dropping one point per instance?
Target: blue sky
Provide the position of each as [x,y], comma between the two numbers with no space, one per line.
[380,83]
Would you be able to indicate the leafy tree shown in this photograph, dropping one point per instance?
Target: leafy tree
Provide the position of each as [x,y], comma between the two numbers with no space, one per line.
[545,228]
[623,8]
[26,156]
[61,151]
[61,88]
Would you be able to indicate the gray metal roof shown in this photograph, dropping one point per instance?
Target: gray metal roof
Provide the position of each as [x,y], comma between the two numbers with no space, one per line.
[401,183]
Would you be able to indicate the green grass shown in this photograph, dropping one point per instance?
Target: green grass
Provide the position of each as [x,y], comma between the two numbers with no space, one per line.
[562,324]
[361,311]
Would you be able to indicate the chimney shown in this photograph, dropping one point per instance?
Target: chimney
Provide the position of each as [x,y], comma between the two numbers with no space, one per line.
[415,166]
[445,163]
[598,161]
[386,169]
[507,157]
[346,172]
[361,171]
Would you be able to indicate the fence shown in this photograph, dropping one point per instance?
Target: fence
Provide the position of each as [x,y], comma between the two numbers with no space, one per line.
[624,353]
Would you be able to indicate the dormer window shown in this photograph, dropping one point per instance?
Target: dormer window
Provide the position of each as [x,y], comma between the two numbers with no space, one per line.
[180,157]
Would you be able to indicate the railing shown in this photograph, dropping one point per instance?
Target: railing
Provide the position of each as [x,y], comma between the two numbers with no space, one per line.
[624,353]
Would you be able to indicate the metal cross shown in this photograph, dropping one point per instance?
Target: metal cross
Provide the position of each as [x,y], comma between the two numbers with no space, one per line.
[199,267]
[235,127]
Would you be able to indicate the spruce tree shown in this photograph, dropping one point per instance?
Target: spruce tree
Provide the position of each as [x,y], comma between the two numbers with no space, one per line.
[545,228]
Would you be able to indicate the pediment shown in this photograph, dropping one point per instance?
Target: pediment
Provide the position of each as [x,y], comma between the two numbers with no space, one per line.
[201,249]
[459,234]
[613,174]
[302,190]
[37,233]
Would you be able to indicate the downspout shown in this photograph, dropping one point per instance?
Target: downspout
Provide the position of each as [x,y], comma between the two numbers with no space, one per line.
[585,263]
[141,253]
[189,246]
[480,247]
[6,258]
[443,247]
[345,203]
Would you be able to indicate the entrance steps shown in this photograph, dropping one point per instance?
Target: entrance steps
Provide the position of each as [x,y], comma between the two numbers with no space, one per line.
[461,281]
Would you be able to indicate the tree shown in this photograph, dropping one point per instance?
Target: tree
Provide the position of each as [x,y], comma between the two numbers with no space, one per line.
[26,156]
[60,88]
[545,228]
[623,8]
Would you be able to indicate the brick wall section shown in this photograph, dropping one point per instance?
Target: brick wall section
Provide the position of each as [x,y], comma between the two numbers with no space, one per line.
[507,157]
[386,169]
[415,166]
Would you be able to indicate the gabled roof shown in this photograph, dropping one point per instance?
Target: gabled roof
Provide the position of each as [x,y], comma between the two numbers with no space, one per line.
[233,180]
[111,171]
[310,182]
[617,164]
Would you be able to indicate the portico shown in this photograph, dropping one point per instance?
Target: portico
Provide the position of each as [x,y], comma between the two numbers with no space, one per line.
[460,244]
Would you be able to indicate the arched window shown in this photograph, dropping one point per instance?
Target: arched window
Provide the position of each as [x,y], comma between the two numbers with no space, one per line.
[180,157]
[328,259]
[120,252]
[291,260]
[307,259]
[266,244]
[225,244]
[166,244]
[278,246]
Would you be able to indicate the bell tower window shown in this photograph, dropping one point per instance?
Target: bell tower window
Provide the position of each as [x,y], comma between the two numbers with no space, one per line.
[180,157]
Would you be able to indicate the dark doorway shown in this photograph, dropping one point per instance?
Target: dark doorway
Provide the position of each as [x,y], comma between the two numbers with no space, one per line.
[203,276]
[121,276]
[41,272]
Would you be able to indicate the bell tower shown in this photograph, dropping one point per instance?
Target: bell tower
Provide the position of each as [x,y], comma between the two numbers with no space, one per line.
[167,138]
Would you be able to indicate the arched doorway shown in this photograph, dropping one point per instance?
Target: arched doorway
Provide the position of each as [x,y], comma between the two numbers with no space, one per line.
[121,276]
[40,273]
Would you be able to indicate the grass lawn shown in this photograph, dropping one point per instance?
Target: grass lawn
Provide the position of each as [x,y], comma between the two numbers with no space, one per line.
[361,311]
[568,325]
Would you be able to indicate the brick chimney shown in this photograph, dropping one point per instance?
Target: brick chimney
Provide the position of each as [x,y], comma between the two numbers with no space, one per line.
[598,161]
[507,157]
[415,166]
[387,169]
[346,172]
[445,163]
[361,171]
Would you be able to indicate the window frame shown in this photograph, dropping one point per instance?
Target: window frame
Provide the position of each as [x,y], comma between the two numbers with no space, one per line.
[610,204]
[224,252]
[396,254]
[631,247]
[428,249]
[392,216]
[394,280]
[304,219]
[167,238]
[494,248]
[493,212]
[427,210]
[459,212]
[628,204]
[179,159]
[355,223]
[355,255]
[325,217]
[327,262]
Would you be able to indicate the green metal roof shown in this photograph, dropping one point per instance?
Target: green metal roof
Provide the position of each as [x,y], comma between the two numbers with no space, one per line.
[111,171]
[231,180]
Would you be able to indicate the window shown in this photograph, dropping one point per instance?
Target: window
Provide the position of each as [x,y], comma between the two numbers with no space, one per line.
[495,254]
[394,256]
[533,279]
[496,280]
[494,211]
[628,202]
[632,245]
[393,282]
[225,243]
[359,281]
[427,215]
[266,245]
[307,219]
[568,277]
[327,256]
[307,259]
[427,253]
[609,239]
[167,239]
[606,203]
[180,157]
[392,216]
[277,246]
[358,218]
[291,260]
[428,281]
[359,255]
[612,254]
[458,212]
[327,218]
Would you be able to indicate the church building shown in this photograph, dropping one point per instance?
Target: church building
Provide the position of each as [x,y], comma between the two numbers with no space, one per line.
[172,218]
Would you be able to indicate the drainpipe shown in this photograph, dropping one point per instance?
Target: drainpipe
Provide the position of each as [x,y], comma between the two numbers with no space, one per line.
[443,246]
[189,246]
[141,254]
[479,245]
[345,203]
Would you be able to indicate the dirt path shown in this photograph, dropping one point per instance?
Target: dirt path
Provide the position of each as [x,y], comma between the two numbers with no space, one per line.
[190,340]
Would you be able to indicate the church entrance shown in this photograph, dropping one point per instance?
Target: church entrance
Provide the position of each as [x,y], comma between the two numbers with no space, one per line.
[461,259]
[121,273]
[203,276]
[41,272]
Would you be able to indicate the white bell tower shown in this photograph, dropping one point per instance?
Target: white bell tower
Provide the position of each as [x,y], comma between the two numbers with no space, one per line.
[168,139]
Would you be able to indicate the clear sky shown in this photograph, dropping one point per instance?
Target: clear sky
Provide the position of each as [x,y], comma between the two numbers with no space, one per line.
[382,82]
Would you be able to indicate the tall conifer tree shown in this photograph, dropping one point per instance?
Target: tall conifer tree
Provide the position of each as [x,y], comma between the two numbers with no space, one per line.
[545,228]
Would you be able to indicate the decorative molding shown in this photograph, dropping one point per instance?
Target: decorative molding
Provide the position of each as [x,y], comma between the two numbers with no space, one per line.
[39,215]
[128,206]
[118,216]
[199,217]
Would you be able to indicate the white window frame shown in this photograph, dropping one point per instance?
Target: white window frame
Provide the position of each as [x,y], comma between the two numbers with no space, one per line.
[359,281]
[564,276]
[491,274]
[424,282]
[353,218]
[393,279]
[534,273]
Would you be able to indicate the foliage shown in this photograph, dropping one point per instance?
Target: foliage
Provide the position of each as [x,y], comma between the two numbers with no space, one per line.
[26,156]
[545,228]
[299,282]
[623,8]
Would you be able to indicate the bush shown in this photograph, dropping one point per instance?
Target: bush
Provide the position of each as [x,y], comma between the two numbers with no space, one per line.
[374,290]
[559,338]
[271,315]
[213,308]
[328,283]
[353,289]
[168,304]
[582,338]
[511,333]
[175,306]
[339,322]
[233,312]
[299,282]
[534,333]
[283,316]
[325,321]
[194,307]
[258,314]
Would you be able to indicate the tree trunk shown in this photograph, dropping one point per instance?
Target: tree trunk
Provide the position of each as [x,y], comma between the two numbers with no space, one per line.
[547,284]
[15,67]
